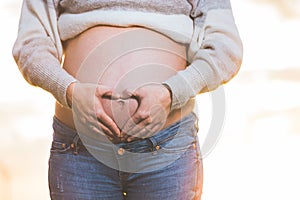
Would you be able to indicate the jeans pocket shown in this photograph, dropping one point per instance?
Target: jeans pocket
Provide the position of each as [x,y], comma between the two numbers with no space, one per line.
[179,143]
[59,147]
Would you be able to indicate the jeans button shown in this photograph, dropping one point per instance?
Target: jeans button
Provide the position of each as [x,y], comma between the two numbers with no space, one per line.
[121,151]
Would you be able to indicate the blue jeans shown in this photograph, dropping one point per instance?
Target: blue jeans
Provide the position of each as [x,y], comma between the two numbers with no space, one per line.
[166,166]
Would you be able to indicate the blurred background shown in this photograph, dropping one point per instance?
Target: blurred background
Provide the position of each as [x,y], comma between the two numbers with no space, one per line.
[257,155]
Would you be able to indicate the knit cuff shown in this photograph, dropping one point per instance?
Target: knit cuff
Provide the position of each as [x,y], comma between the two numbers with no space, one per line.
[61,94]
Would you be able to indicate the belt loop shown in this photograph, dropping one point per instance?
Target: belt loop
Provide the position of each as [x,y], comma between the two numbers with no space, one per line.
[74,145]
[155,147]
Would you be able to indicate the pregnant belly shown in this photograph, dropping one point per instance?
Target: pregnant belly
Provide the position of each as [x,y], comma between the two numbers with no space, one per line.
[122,58]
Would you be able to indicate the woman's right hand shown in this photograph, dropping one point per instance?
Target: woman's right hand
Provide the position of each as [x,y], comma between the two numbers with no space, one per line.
[88,112]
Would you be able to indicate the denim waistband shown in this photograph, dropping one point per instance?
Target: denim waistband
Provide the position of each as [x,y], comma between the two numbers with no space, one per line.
[69,135]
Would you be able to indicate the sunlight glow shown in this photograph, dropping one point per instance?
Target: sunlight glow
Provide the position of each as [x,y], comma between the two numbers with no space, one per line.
[257,156]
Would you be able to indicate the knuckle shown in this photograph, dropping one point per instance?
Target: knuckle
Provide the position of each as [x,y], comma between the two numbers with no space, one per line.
[143,115]
[105,130]
[102,128]
[96,110]
[148,120]
[99,113]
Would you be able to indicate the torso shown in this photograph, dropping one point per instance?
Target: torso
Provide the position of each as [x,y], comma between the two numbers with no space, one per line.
[123,58]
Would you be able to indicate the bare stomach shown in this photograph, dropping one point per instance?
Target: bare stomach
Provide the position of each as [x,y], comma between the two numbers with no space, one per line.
[122,58]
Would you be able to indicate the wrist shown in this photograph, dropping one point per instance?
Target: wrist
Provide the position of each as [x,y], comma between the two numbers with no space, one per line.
[69,93]
[170,92]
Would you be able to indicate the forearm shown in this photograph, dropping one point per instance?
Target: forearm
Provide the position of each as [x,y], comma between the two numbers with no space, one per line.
[41,68]
[216,61]
[69,93]
[38,50]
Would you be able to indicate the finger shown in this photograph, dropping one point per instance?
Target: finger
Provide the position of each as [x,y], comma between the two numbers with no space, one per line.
[101,127]
[101,130]
[160,119]
[140,126]
[103,118]
[156,128]
[146,132]
[146,128]
[144,119]
[140,115]
[142,134]
[106,92]
[131,138]
[110,95]
[126,128]
[139,120]
[128,93]
[93,123]
[93,127]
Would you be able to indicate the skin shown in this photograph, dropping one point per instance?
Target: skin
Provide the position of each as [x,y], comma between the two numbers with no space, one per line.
[123,98]
[150,116]
[93,112]
[154,107]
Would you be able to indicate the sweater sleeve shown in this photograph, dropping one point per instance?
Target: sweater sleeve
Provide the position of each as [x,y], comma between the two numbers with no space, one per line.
[38,49]
[215,54]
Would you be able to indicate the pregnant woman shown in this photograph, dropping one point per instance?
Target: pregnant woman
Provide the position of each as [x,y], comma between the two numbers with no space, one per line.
[125,75]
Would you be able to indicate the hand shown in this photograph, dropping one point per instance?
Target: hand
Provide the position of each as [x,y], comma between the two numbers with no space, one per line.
[88,111]
[154,107]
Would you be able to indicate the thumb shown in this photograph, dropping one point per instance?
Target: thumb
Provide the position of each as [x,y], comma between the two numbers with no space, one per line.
[142,112]
[106,92]
[128,93]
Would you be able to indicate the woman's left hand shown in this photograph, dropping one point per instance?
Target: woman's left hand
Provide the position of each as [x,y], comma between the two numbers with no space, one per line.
[151,114]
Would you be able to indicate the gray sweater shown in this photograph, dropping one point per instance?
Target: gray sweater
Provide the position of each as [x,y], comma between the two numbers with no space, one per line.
[206,26]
